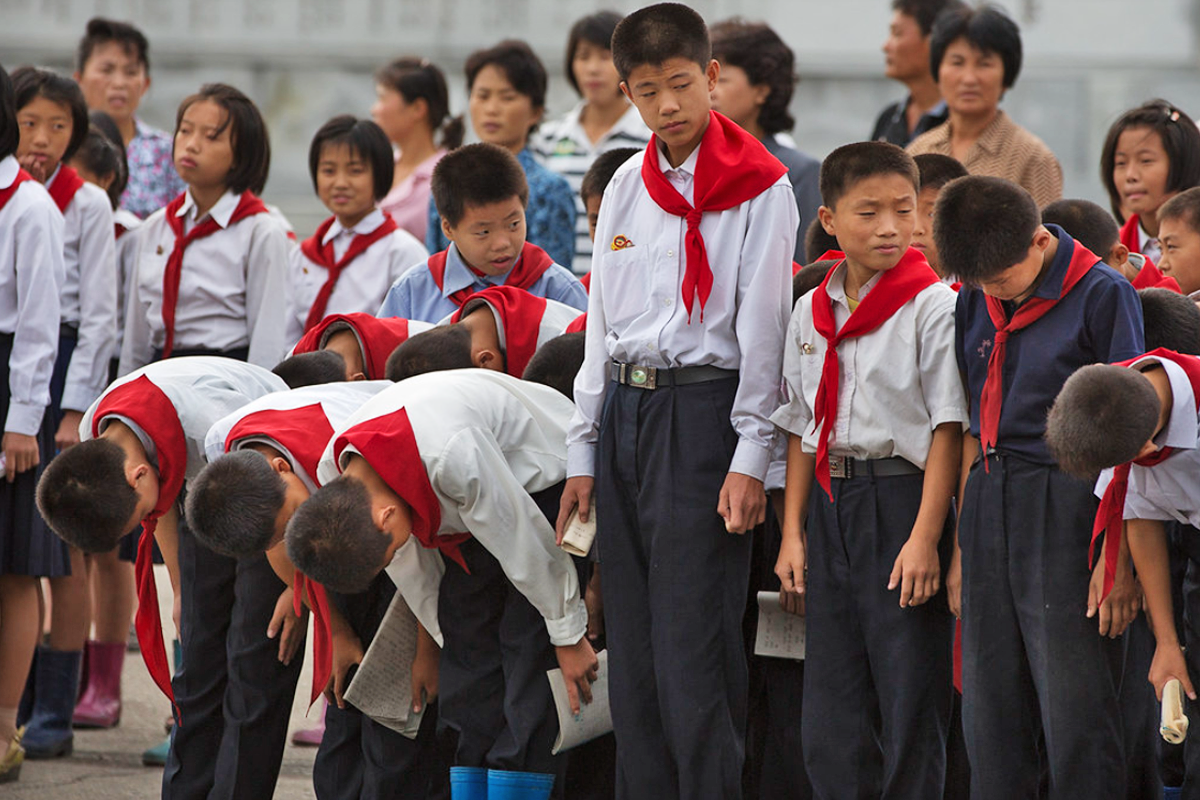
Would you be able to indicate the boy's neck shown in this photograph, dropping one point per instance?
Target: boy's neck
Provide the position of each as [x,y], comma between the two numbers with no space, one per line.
[676,156]
[1047,260]
[349,221]
[857,276]
[127,439]
[268,451]
[481,324]
[205,197]
[1149,223]
[1162,387]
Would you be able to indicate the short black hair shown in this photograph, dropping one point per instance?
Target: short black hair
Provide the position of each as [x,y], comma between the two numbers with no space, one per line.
[10,133]
[925,12]
[557,362]
[810,277]
[1088,224]
[84,497]
[756,49]
[365,139]
[596,179]
[332,537]
[851,163]
[936,170]
[310,369]
[1171,320]
[1102,417]
[655,34]
[30,83]
[987,29]
[104,123]
[818,241]
[233,503]
[420,79]
[1185,207]
[248,135]
[1180,139]
[595,29]
[441,348]
[524,70]
[476,175]
[982,226]
[101,158]
[101,31]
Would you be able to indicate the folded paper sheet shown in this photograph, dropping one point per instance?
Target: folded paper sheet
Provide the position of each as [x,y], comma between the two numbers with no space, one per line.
[780,634]
[594,719]
[382,687]
[578,536]
[1174,722]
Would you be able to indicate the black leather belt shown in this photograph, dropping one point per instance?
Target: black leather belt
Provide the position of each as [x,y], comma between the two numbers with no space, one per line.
[847,467]
[642,377]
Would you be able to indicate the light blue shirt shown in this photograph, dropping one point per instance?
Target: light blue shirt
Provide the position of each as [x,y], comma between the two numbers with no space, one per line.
[415,295]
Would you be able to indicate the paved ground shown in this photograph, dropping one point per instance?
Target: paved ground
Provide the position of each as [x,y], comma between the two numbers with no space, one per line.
[108,764]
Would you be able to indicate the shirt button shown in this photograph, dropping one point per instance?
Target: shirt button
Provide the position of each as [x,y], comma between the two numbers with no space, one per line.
[670,253]
[667,302]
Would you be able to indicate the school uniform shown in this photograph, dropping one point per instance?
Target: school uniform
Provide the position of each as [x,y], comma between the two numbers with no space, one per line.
[1031,658]
[377,337]
[31,274]
[125,227]
[508,594]
[228,284]
[715,339]
[565,148]
[375,251]
[233,696]
[524,322]
[444,283]
[871,665]
[89,302]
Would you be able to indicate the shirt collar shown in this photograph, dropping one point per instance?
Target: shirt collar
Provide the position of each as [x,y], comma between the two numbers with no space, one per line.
[1144,238]
[836,288]
[8,171]
[688,167]
[1051,285]
[58,169]
[365,225]
[459,276]
[1180,430]
[221,212]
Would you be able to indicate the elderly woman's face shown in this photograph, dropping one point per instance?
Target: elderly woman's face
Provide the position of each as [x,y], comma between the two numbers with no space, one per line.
[971,80]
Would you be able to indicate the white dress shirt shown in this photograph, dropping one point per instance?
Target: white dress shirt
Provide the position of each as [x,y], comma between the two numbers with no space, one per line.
[1169,490]
[488,441]
[231,290]
[31,275]
[897,383]
[364,282]
[127,251]
[636,313]
[89,298]
[203,389]
[1149,246]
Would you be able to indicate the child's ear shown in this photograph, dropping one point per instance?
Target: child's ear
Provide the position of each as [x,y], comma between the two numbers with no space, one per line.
[280,464]
[486,358]
[1118,257]
[760,93]
[825,214]
[625,91]
[712,73]
[447,231]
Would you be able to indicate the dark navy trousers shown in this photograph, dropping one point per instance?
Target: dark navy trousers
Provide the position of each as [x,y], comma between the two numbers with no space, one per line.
[675,586]
[1032,660]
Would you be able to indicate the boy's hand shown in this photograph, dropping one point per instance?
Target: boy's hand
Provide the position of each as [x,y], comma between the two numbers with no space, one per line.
[593,599]
[579,664]
[68,430]
[20,454]
[31,164]
[1169,663]
[1123,603]
[917,571]
[293,627]
[577,492]
[425,673]
[791,567]
[743,502]
[954,583]
[347,652]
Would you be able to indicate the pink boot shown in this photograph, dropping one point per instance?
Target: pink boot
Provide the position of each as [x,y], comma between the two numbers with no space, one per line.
[100,704]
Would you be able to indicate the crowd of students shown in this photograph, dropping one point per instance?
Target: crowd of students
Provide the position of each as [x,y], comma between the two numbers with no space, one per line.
[899,387]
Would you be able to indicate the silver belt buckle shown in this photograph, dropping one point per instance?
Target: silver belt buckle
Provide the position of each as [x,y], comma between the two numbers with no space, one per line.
[841,467]
[639,376]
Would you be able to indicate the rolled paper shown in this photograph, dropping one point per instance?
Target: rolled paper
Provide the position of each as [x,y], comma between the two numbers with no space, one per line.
[1174,724]
[578,535]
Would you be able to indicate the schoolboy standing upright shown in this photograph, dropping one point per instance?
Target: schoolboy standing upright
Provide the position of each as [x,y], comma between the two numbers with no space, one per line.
[1042,306]
[689,303]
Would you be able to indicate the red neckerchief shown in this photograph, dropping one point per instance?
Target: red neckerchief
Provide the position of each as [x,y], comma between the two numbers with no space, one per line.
[1027,313]
[895,287]
[1129,234]
[1149,276]
[578,324]
[144,403]
[586,280]
[1111,514]
[529,268]
[119,230]
[6,194]
[377,336]
[518,314]
[248,205]
[322,255]
[390,447]
[302,432]
[731,168]
[64,187]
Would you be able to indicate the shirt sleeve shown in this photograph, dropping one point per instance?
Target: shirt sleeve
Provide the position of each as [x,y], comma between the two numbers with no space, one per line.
[417,572]
[87,374]
[1114,322]
[40,274]
[794,415]
[566,288]
[1139,507]
[296,315]
[497,511]
[941,382]
[764,291]
[136,347]
[398,301]
[266,278]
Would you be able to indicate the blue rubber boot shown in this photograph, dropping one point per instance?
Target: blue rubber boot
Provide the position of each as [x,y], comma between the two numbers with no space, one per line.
[1172,792]
[468,783]
[508,785]
[48,734]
